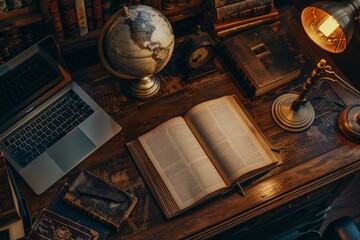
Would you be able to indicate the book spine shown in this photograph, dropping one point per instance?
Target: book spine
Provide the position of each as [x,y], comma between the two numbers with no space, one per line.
[91,214]
[238,72]
[242,27]
[8,211]
[247,13]
[239,6]
[69,15]
[168,4]
[107,9]
[147,2]
[98,14]
[58,29]
[15,41]
[274,14]
[81,16]
[89,15]
[219,3]
[157,4]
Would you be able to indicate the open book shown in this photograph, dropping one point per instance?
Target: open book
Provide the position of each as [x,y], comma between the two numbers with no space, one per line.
[189,159]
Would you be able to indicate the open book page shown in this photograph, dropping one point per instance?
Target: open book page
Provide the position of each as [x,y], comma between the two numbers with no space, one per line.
[228,138]
[181,162]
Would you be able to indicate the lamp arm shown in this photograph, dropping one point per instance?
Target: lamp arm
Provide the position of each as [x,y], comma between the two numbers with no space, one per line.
[316,73]
[342,83]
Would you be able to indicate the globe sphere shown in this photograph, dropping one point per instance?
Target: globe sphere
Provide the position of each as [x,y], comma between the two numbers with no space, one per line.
[136,42]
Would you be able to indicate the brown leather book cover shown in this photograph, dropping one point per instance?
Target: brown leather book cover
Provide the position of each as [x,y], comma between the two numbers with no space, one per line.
[8,211]
[98,14]
[50,225]
[259,60]
[56,19]
[100,199]
[69,16]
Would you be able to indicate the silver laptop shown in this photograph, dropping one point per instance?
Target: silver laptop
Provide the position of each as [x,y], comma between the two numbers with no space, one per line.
[48,124]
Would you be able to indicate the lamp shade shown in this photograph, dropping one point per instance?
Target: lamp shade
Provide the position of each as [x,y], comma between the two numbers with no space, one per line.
[331,24]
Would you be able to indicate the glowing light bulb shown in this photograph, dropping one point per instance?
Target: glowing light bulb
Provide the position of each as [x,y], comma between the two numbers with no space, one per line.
[328,26]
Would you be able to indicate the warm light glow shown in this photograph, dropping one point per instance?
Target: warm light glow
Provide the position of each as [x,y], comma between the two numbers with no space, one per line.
[323,29]
[329,26]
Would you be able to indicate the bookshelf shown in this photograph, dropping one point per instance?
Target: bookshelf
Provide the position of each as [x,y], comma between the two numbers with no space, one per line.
[19,28]
[39,12]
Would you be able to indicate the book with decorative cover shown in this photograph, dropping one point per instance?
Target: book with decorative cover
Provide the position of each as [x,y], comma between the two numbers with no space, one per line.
[100,199]
[188,160]
[259,60]
[50,225]
[59,206]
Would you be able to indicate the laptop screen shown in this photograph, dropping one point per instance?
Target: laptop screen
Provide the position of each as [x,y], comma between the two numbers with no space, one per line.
[29,76]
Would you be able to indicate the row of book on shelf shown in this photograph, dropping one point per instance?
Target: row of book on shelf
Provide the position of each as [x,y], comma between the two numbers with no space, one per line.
[11,5]
[223,18]
[74,18]
[16,40]
[89,208]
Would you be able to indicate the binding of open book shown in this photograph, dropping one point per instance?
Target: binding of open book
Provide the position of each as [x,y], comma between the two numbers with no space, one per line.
[187,160]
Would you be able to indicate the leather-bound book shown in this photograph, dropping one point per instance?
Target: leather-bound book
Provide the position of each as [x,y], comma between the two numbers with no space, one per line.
[8,210]
[89,15]
[98,14]
[100,199]
[67,8]
[259,60]
[56,20]
[81,17]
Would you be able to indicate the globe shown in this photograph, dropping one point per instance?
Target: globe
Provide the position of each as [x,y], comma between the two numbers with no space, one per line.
[135,44]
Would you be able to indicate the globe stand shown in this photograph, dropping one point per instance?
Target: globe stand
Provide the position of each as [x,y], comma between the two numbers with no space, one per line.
[144,87]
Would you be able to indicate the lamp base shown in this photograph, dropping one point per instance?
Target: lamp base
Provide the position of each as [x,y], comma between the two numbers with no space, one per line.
[288,119]
[349,122]
[145,87]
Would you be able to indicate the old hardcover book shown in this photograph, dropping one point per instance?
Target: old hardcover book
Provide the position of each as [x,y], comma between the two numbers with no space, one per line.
[11,219]
[89,15]
[98,14]
[247,16]
[50,225]
[8,207]
[219,3]
[189,159]
[81,17]
[58,29]
[100,199]
[67,9]
[259,60]
[59,206]
[236,7]
[107,9]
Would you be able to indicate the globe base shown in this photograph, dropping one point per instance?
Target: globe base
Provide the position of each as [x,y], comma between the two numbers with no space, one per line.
[145,87]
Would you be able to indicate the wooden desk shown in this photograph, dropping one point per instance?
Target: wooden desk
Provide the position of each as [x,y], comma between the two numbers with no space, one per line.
[316,162]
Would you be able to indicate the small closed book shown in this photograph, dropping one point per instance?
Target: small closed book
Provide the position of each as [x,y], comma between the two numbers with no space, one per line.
[100,199]
[259,60]
[50,225]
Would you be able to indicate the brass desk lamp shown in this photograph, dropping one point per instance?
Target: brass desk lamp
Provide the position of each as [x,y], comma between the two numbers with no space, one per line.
[330,25]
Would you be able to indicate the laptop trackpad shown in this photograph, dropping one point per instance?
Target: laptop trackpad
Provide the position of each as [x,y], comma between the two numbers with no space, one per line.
[71,149]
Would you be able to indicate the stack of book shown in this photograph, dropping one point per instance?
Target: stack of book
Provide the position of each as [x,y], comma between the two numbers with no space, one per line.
[226,17]
[13,216]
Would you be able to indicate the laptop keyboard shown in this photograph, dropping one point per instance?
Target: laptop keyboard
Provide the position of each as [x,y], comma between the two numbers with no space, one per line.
[46,128]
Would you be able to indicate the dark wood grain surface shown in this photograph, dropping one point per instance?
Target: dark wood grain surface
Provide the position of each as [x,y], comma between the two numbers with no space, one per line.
[311,159]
